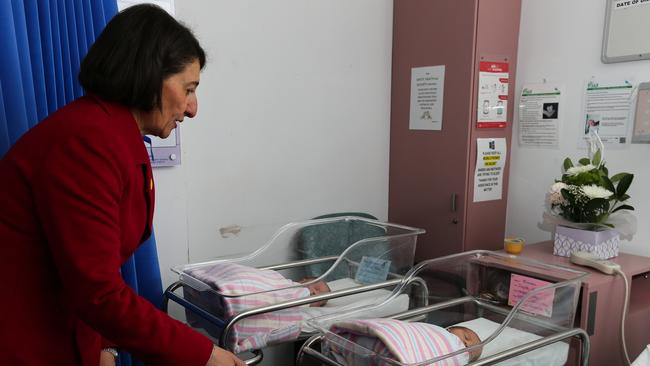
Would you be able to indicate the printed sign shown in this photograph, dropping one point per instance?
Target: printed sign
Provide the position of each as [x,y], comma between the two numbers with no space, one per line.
[372,270]
[625,4]
[490,162]
[492,95]
[427,91]
[539,304]
[606,110]
[539,115]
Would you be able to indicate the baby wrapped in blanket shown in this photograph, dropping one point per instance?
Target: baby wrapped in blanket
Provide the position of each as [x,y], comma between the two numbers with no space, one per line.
[402,341]
[265,287]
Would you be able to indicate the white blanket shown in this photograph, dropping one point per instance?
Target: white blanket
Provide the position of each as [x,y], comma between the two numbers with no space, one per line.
[366,299]
[551,355]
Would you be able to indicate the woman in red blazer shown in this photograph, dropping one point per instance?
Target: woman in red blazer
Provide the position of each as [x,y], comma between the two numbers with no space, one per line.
[77,199]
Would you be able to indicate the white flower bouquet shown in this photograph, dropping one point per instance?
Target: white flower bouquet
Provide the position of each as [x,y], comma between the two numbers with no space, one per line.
[587,198]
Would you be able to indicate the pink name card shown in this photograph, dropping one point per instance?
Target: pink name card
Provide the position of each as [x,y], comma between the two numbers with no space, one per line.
[540,303]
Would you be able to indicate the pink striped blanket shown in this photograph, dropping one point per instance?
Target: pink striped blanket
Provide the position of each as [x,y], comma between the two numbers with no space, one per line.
[245,288]
[394,340]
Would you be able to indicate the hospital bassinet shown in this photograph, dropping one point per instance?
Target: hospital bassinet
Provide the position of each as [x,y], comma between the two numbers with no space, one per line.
[362,261]
[522,310]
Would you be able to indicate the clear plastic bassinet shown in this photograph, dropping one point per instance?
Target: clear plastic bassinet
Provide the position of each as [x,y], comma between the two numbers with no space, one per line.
[513,304]
[361,260]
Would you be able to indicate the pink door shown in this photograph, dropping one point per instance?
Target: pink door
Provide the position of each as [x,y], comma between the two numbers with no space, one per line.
[428,168]
[432,172]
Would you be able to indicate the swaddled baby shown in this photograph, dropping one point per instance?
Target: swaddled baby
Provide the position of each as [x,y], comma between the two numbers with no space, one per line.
[402,341]
[265,287]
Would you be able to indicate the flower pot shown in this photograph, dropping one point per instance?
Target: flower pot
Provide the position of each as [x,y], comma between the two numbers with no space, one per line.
[604,244]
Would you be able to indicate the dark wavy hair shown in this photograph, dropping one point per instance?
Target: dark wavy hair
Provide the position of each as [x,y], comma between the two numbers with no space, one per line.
[139,48]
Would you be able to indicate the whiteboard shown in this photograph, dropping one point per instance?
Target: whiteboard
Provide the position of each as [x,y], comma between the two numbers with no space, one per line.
[625,37]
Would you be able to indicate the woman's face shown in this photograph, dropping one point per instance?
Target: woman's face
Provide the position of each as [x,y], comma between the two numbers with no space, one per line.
[178,99]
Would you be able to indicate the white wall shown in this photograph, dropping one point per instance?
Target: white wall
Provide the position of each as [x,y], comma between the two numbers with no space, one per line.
[293,122]
[560,41]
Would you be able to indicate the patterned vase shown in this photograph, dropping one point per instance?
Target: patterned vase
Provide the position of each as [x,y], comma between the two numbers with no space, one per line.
[604,244]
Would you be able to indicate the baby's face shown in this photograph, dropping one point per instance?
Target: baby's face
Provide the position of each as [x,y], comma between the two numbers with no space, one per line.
[316,288]
[469,338]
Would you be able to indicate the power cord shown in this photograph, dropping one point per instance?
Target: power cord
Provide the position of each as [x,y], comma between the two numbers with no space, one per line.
[610,268]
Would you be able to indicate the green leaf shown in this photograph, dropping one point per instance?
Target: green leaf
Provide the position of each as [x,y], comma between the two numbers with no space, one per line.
[596,159]
[597,206]
[599,203]
[567,196]
[604,169]
[622,198]
[624,184]
[602,217]
[567,164]
[608,184]
[584,161]
[617,177]
[623,207]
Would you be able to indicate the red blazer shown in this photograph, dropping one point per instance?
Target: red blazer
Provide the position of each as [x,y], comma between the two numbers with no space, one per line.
[76,200]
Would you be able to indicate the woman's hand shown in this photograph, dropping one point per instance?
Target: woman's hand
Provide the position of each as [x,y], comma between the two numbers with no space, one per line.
[106,359]
[221,357]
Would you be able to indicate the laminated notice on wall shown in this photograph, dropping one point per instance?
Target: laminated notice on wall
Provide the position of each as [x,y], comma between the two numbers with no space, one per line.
[490,162]
[492,95]
[427,90]
[539,115]
[607,104]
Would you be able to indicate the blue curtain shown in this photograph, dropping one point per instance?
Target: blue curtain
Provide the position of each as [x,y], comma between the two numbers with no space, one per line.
[43,43]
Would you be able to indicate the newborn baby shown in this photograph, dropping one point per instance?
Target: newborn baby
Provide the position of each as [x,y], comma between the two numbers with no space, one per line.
[469,338]
[402,341]
[315,288]
[244,288]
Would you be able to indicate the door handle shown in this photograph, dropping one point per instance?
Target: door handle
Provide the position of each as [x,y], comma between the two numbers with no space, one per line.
[454,196]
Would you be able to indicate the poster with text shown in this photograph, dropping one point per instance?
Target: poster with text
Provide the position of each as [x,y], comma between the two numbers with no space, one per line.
[607,105]
[427,90]
[540,115]
[492,98]
[490,162]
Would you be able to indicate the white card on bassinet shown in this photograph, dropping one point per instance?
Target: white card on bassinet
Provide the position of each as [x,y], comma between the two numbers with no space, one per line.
[372,270]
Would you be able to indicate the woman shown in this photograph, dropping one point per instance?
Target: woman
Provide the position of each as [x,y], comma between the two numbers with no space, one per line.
[77,199]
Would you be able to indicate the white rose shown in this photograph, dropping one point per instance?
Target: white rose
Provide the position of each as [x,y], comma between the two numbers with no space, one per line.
[575,170]
[594,191]
[554,196]
[557,187]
